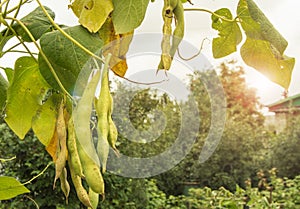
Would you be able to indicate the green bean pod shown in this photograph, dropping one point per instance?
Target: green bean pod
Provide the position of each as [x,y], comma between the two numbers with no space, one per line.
[102,130]
[179,29]
[72,150]
[94,198]
[81,118]
[91,171]
[102,106]
[113,135]
[80,190]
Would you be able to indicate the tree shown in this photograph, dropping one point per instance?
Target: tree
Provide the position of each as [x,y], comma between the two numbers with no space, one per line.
[66,56]
[241,151]
[242,101]
[284,149]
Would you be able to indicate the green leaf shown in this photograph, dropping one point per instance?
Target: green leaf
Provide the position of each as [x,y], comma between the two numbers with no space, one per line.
[3,92]
[265,46]
[92,13]
[262,56]
[43,123]
[229,34]
[3,40]
[10,188]
[257,25]
[9,74]
[36,22]
[67,59]
[230,204]
[128,14]
[24,95]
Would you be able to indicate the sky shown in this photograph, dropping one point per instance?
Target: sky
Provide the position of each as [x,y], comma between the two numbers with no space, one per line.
[284,15]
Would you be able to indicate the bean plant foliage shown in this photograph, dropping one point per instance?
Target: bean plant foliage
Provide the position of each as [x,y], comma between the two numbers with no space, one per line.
[38,93]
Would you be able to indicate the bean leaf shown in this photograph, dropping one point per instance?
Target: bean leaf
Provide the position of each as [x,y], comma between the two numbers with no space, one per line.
[36,22]
[24,95]
[128,14]
[92,13]
[261,55]
[3,91]
[67,59]
[9,74]
[257,26]
[229,34]
[10,187]
[43,123]
[264,47]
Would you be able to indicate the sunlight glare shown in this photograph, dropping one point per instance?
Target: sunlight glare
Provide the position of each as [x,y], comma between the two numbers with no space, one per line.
[266,90]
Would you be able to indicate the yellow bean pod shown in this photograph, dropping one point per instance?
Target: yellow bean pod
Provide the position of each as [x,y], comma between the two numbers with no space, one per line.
[61,146]
[167,14]
[172,9]
[64,184]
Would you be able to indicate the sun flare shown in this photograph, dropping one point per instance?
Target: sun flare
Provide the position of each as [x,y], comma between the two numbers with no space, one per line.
[266,90]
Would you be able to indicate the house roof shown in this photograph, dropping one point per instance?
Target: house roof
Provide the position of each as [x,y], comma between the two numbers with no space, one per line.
[287,104]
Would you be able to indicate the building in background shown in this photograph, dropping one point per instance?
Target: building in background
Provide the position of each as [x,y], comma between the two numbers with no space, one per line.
[282,111]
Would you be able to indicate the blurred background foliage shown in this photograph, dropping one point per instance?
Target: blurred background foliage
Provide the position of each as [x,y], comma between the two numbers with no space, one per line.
[239,174]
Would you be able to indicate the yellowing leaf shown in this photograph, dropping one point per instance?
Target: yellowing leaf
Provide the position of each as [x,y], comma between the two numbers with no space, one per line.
[10,187]
[24,95]
[120,66]
[262,56]
[52,146]
[92,13]
[43,123]
[117,45]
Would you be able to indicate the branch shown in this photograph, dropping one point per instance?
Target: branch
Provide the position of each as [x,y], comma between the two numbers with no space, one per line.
[67,35]
[43,55]
[208,11]
[41,173]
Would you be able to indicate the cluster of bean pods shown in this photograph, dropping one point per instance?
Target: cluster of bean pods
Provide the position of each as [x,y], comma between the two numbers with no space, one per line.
[75,146]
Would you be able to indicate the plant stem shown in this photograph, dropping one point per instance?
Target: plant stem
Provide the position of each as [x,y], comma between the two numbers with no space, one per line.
[67,35]
[34,202]
[208,11]
[16,7]
[43,55]
[9,159]
[20,40]
[2,3]
[195,55]
[11,49]
[41,173]
[19,51]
